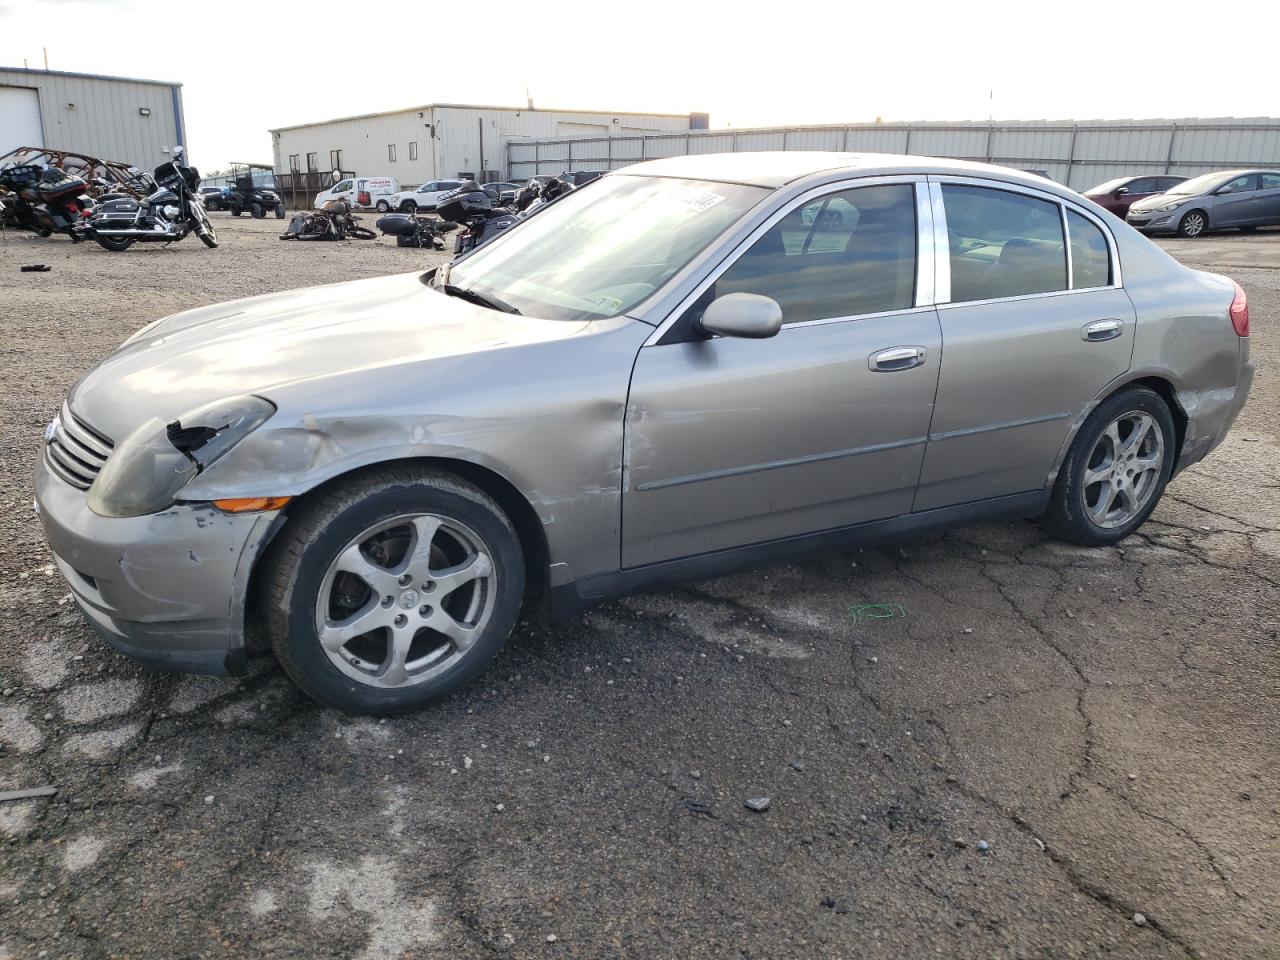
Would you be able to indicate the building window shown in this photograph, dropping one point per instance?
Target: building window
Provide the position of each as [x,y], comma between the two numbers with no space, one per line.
[335,159]
[293,163]
[391,153]
[413,149]
[311,163]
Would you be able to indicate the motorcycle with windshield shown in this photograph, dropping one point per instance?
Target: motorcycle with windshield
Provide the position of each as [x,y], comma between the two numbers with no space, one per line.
[167,215]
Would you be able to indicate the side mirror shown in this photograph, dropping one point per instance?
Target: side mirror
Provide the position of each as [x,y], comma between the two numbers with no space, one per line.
[747,315]
[1121,191]
[337,175]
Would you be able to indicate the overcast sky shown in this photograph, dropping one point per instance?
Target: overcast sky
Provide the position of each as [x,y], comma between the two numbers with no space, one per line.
[747,64]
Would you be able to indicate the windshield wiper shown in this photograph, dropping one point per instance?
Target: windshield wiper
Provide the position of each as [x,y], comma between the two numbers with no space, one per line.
[475,296]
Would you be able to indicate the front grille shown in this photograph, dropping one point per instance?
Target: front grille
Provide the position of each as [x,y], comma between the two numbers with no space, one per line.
[76,452]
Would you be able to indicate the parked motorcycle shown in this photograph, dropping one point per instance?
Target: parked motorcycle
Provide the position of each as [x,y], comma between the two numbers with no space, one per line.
[171,212]
[411,231]
[332,221]
[44,200]
[471,207]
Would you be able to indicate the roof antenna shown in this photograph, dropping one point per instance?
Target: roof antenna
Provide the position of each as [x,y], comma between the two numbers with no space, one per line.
[46,57]
[528,99]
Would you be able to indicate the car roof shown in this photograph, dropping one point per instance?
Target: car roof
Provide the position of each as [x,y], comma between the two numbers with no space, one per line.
[780,167]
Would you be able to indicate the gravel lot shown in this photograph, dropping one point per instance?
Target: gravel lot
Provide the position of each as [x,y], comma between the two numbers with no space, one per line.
[1104,721]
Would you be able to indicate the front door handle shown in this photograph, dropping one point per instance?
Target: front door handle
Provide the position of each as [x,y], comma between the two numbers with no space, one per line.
[895,358]
[1101,330]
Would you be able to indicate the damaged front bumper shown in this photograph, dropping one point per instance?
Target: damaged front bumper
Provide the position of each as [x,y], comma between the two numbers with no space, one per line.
[168,588]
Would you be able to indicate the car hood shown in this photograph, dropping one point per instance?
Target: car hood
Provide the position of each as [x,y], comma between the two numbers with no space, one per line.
[271,342]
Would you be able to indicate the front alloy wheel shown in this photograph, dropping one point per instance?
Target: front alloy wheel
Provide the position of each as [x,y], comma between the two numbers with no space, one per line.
[391,589]
[405,600]
[1192,224]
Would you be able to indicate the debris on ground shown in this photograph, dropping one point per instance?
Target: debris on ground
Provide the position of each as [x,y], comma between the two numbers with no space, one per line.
[758,804]
[27,794]
[877,611]
[1139,920]
[983,846]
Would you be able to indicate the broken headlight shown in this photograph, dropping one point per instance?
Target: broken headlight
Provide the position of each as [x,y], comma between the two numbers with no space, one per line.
[151,465]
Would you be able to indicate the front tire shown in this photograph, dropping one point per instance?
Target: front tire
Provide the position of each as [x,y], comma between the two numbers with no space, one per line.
[392,590]
[236,211]
[256,211]
[280,211]
[409,207]
[1116,470]
[382,206]
[1193,224]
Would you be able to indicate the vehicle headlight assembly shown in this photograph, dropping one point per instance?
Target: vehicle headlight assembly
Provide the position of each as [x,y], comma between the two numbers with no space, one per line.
[147,470]
[1171,205]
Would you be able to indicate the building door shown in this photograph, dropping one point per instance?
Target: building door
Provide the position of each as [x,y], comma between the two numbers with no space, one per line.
[19,119]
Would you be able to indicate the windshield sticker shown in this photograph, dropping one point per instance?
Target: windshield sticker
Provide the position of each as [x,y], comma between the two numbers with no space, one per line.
[702,201]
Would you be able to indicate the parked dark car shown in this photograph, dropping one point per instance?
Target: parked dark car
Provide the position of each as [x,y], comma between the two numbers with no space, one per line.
[212,197]
[1244,199]
[1119,194]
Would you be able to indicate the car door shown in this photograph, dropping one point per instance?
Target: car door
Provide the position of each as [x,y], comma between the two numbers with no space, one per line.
[732,441]
[1135,190]
[1268,199]
[1235,202]
[1035,327]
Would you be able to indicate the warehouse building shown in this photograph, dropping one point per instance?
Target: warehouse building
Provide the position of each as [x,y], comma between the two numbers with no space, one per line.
[441,140]
[112,118]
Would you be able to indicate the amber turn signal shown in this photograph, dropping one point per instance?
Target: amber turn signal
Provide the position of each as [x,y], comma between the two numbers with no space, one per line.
[251,504]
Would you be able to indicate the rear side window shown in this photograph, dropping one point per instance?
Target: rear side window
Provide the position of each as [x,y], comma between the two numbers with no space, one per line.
[1090,257]
[842,255]
[1003,244]
[1271,181]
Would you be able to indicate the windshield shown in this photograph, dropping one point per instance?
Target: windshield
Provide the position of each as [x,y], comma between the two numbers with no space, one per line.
[1108,186]
[1201,184]
[600,250]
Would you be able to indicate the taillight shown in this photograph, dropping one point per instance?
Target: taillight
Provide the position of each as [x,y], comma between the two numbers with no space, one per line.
[1240,312]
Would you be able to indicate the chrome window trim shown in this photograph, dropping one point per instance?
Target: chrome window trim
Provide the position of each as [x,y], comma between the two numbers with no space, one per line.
[941,246]
[1117,280]
[795,202]
[1024,296]
[1066,241]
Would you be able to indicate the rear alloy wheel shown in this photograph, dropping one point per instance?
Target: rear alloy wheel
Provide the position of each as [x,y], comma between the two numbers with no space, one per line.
[114,244]
[1193,224]
[392,591]
[1116,470]
[383,207]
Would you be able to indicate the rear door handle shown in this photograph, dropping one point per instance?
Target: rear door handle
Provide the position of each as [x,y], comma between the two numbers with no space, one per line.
[1101,330]
[895,358]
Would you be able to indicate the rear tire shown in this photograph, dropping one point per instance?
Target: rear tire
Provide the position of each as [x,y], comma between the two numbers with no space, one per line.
[236,211]
[376,524]
[114,244]
[280,212]
[382,206]
[409,207]
[1193,224]
[1116,470]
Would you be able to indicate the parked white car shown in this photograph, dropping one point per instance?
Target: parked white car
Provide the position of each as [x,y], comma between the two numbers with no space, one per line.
[420,198]
[360,192]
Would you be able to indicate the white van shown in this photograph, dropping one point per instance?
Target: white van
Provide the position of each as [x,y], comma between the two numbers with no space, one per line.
[360,192]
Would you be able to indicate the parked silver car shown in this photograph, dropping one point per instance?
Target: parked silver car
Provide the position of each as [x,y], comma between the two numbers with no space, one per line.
[698,364]
[1246,199]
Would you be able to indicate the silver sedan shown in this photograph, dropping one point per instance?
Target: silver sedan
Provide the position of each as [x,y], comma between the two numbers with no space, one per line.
[693,365]
[1243,199]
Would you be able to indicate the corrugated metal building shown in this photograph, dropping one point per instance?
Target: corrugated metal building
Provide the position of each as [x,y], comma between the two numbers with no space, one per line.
[113,118]
[446,139]
[1079,154]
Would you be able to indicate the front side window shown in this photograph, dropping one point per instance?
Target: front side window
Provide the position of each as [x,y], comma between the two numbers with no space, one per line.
[342,187]
[598,253]
[842,255]
[428,187]
[1090,256]
[1003,244]
[1143,185]
[1239,184]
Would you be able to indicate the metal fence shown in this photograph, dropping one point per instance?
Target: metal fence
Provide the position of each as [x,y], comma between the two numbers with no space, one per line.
[1079,155]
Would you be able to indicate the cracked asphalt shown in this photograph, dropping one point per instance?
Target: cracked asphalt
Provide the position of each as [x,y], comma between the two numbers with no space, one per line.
[1102,722]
